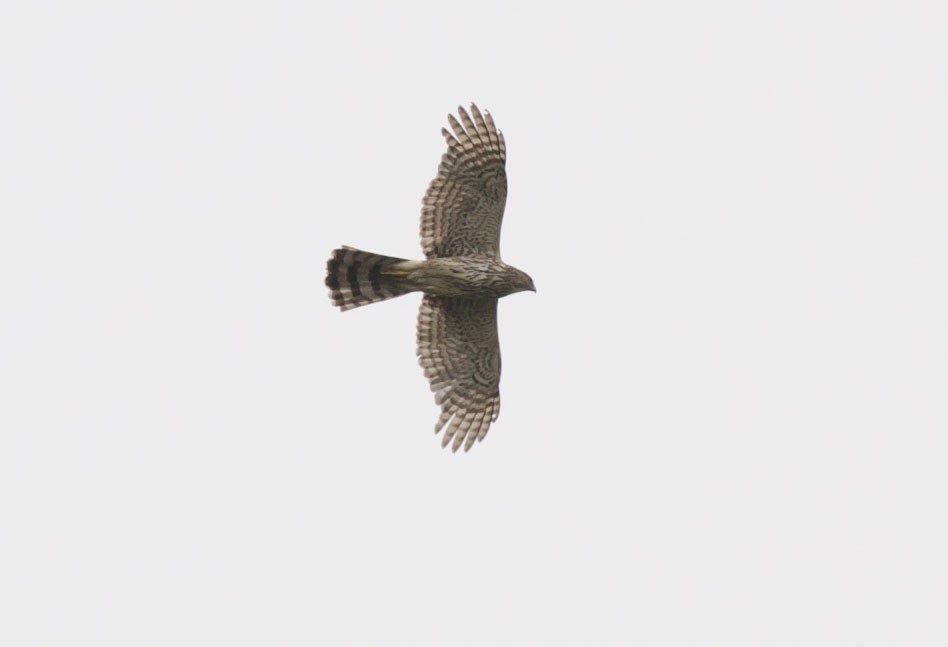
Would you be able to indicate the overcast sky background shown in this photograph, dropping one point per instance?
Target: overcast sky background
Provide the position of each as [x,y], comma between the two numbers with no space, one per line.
[724,411]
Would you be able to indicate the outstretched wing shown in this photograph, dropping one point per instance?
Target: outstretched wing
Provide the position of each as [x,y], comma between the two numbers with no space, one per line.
[464,205]
[460,353]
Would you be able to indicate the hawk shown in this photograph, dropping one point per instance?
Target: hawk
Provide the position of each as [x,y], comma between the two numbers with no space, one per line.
[462,277]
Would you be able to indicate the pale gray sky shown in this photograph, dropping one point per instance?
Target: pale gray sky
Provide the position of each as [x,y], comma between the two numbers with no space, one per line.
[724,412]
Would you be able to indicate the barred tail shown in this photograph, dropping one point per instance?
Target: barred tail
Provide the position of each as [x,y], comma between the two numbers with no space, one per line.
[356,278]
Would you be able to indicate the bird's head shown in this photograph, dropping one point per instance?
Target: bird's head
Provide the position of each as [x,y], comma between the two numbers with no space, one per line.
[520,281]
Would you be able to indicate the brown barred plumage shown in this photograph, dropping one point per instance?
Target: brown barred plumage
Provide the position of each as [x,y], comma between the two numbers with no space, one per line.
[463,208]
[462,278]
[458,337]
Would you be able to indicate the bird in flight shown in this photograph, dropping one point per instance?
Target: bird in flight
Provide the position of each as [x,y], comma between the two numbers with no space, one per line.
[462,277]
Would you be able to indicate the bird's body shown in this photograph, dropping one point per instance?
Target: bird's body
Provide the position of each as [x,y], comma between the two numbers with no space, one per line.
[459,276]
[462,278]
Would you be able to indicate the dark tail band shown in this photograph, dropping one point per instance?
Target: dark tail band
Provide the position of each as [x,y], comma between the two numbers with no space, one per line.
[356,278]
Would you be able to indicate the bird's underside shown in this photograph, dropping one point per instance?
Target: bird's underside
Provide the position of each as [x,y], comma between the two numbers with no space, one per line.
[462,278]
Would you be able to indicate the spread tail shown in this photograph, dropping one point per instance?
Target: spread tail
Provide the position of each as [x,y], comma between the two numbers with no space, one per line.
[356,278]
